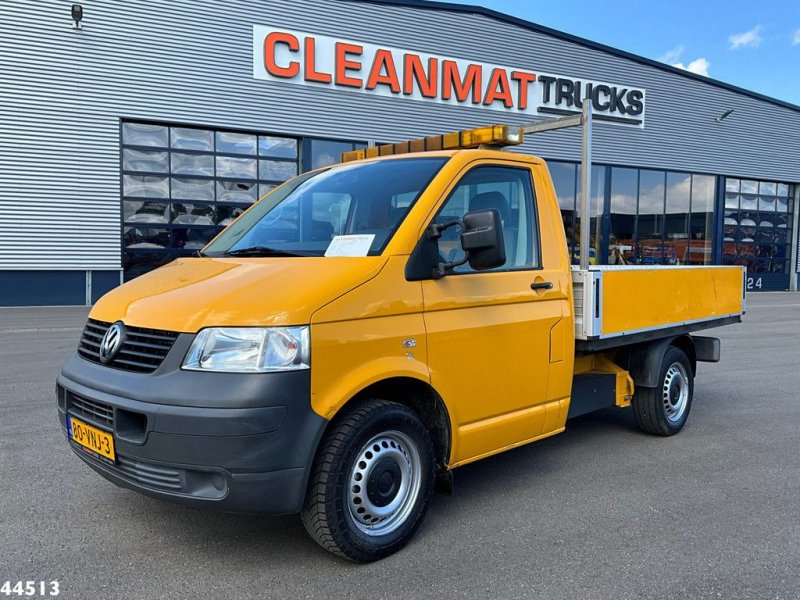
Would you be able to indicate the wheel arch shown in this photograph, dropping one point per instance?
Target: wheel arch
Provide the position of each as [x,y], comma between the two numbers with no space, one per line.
[644,360]
[419,396]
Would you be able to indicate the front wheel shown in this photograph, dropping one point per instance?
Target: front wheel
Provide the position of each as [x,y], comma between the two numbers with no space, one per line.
[663,410]
[371,481]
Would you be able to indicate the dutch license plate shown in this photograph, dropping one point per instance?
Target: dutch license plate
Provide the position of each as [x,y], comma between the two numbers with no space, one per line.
[91,438]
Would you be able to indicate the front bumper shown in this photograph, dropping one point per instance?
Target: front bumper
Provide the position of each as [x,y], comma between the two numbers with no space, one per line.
[235,442]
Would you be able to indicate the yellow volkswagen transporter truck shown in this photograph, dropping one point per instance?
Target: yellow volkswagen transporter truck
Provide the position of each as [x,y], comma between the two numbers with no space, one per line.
[366,328]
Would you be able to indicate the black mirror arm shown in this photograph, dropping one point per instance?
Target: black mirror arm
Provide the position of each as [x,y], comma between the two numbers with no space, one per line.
[435,229]
[443,268]
[434,233]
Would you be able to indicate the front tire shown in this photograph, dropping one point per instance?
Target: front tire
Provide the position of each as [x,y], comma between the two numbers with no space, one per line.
[663,410]
[371,481]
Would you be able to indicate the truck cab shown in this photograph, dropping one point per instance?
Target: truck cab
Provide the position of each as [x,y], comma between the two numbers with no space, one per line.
[353,337]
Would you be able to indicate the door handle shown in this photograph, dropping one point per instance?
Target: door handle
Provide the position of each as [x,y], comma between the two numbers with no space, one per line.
[542,285]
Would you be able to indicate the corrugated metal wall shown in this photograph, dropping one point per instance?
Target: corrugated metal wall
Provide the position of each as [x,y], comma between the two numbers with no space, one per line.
[63,92]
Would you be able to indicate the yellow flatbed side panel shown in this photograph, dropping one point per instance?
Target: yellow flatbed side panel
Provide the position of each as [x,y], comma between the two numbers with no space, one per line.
[639,299]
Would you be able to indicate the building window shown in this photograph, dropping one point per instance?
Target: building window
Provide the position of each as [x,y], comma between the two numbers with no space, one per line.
[181,185]
[321,153]
[567,181]
[757,228]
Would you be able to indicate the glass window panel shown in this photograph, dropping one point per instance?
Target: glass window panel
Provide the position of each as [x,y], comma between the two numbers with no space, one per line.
[236,143]
[288,225]
[677,202]
[139,262]
[731,200]
[329,212]
[500,188]
[676,220]
[748,202]
[749,186]
[624,198]
[596,201]
[144,134]
[782,190]
[729,229]
[746,232]
[145,212]
[192,238]
[229,166]
[187,138]
[276,170]
[651,203]
[765,231]
[237,191]
[767,188]
[781,233]
[185,213]
[145,186]
[766,203]
[184,188]
[145,160]
[277,147]
[650,223]
[701,226]
[765,250]
[227,214]
[563,175]
[327,152]
[761,265]
[782,205]
[184,163]
[146,237]
[732,185]
[780,266]
[729,255]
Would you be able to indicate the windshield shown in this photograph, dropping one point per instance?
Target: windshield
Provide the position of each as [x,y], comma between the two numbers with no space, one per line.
[307,216]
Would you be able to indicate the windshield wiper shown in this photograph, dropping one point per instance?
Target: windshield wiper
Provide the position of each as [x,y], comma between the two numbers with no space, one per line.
[261,251]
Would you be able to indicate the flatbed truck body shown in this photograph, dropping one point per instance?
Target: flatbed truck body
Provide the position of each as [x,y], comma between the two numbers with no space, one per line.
[365,329]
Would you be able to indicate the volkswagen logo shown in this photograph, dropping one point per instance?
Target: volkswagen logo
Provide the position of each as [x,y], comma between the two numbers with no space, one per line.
[111,342]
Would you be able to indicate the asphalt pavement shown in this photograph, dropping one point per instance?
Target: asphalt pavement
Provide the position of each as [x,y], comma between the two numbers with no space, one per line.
[600,511]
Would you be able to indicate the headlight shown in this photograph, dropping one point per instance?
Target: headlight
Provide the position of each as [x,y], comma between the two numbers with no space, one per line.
[249,349]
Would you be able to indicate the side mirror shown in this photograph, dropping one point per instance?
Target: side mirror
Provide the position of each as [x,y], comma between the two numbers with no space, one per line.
[482,239]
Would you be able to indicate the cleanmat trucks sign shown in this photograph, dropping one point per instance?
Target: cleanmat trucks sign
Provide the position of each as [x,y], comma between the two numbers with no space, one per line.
[323,61]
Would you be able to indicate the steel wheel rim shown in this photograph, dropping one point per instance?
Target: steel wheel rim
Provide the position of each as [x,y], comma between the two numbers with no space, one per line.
[675,392]
[387,469]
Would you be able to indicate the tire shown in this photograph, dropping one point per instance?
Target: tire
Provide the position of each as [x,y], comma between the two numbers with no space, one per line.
[371,481]
[663,410]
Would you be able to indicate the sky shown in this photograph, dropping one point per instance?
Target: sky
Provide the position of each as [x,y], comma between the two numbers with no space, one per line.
[754,44]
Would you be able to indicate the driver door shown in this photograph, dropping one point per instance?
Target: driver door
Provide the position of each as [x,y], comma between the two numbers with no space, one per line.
[489,332]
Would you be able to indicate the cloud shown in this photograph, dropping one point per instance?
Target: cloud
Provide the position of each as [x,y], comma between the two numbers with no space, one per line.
[671,56]
[748,39]
[796,38]
[699,66]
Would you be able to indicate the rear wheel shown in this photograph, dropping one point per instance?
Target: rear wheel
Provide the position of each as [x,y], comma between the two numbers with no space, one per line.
[663,410]
[371,481]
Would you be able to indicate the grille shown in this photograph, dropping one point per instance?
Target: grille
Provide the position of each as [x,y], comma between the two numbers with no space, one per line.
[150,474]
[142,350]
[93,411]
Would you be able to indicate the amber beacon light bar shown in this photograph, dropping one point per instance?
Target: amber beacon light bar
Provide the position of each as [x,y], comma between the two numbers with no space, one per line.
[492,135]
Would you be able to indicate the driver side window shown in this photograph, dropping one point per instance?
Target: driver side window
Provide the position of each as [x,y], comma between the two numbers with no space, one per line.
[508,190]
